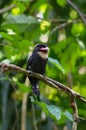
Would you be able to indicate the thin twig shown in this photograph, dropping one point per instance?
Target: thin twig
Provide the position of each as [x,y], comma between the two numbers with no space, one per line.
[60,26]
[73,102]
[78,11]
[67,89]
[52,83]
[75,114]
[75,109]
[51,20]
[7,8]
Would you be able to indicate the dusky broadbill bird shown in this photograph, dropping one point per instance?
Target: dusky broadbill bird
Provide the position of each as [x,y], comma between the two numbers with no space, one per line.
[37,63]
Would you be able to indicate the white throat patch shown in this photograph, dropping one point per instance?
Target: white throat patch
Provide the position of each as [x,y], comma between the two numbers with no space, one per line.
[42,55]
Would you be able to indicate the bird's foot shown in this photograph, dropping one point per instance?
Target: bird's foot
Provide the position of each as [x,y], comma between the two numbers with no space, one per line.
[44,76]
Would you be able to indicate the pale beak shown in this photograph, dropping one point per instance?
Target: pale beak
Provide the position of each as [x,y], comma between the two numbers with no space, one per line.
[44,49]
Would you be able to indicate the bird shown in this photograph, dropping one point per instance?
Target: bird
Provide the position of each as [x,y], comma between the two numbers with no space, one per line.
[37,63]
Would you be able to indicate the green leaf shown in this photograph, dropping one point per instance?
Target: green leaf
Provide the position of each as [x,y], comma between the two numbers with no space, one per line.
[43,106]
[70,56]
[10,51]
[68,115]
[32,99]
[21,7]
[22,87]
[23,46]
[61,2]
[77,29]
[6,36]
[51,110]
[54,111]
[20,23]
[56,63]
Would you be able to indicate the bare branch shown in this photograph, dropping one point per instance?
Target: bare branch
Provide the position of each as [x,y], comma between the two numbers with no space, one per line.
[73,102]
[78,11]
[67,89]
[60,26]
[7,8]
[75,114]
[52,83]
[75,109]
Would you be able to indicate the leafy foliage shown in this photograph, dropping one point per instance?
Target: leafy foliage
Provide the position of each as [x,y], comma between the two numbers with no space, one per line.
[29,23]
[55,112]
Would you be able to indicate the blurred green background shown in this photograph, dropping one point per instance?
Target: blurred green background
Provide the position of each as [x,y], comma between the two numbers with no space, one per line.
[57,24]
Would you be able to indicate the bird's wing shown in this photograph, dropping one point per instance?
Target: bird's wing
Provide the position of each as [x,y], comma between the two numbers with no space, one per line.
[29,63]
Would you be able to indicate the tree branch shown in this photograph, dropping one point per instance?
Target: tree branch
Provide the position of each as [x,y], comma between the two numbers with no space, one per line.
[62,25]
[78,11]
[7,8]
[75,113]
[52,83]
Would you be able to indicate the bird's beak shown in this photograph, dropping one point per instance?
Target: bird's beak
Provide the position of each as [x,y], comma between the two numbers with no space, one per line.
[44,49]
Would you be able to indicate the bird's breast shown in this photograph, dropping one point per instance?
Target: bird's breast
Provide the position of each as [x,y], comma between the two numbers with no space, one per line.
[39,65]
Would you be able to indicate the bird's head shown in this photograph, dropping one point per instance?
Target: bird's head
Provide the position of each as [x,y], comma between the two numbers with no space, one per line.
[42,50]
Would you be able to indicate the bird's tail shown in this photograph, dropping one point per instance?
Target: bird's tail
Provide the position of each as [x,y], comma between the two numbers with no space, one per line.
[35,89]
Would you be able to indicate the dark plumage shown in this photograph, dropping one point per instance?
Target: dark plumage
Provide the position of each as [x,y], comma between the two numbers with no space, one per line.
[37,63]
